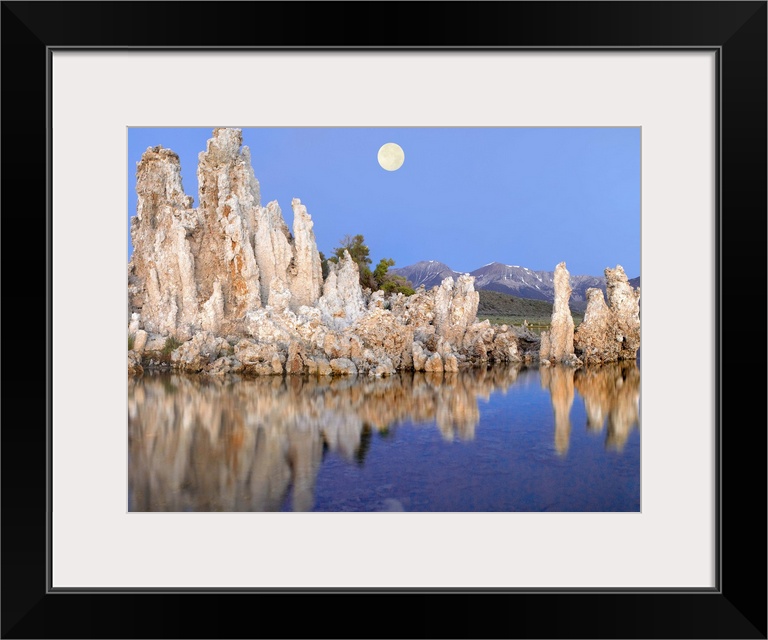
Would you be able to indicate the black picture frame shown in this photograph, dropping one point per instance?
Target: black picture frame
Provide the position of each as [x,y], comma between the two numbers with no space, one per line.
[736,608]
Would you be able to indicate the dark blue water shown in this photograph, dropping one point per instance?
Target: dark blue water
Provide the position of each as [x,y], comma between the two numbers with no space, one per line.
[497,440]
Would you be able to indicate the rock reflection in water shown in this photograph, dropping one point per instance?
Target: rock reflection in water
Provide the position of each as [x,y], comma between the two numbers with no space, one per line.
[231,444]
[611,392]
[559,381]
[209,444]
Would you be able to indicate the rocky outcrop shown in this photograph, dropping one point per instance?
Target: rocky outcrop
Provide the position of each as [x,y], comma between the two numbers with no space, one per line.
[240,293]
[161,280]
[202,350]
[624,302]
[225,269]
[561,327]
[194,269]
[610,332]
[272,248]
[597,338]
[306,272]
[385,339]
[455,307]
[288,264]
[134,364]
[206,268]
[545,348]
[342,302]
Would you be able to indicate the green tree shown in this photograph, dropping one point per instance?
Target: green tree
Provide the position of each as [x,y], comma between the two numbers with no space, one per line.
[390,283]
[357,248]
[380,272]
[379,278]
[398,284]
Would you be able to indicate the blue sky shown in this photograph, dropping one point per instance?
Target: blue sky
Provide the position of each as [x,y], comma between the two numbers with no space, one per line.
[531,197]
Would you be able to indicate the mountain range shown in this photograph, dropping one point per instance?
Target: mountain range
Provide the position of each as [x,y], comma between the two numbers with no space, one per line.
[505,278]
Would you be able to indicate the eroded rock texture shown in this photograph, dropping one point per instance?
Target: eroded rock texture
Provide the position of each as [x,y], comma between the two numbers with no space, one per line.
[205,268]
[161,276]
[455,307]
[561,329]
[272,247]
[306,272]
[240,293]
[624,302]
[610,332]
[226,273]
[342,302]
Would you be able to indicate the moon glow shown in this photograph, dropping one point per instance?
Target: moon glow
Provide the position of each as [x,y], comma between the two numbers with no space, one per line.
[391,156]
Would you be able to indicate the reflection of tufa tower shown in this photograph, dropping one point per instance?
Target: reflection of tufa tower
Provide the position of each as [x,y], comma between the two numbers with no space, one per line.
[559,381]
[611,393]
[203,444]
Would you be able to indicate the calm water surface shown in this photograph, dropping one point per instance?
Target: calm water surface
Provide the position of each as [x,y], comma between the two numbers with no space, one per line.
[501,439]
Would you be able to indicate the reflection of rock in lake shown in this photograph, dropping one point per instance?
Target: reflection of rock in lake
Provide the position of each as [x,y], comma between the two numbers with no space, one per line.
[559,381]
[230,444]
[611,394]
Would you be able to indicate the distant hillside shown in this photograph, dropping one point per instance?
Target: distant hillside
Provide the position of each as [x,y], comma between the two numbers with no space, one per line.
[501,308]
[494,303]
[430,273]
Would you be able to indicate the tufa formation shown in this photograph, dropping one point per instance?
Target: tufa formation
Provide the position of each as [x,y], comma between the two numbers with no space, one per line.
[609,333]
[227,287]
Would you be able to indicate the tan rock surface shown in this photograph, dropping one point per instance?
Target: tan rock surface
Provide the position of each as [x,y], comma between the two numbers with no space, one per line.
[161,281]
[342,302]
[223,243]
[610,332]
[624,301]
[561,328]
[230,267]
[306,283]
[134,364]
[597,337]
[455,307]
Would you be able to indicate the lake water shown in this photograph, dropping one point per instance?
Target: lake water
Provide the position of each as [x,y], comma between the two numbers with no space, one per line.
[501,439]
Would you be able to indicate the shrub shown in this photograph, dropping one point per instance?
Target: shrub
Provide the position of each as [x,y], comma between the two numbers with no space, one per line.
[171,344]
[379,278]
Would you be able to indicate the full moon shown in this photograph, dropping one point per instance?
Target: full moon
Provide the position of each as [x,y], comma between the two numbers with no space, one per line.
[391,156]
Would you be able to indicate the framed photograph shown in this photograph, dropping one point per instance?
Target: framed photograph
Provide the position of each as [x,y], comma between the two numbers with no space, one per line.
[83,538]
